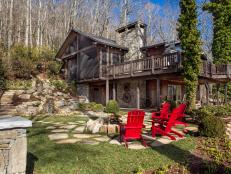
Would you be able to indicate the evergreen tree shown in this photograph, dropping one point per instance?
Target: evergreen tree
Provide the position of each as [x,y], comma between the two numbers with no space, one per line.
[191,48]
[221,48]
[2,77]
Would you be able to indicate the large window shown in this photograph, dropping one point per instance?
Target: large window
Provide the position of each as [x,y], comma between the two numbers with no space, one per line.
[174,92]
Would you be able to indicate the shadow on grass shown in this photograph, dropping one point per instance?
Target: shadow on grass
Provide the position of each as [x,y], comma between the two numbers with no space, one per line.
[31,159]
[195,164]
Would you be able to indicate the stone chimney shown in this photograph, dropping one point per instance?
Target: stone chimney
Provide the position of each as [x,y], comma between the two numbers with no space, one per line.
[132,36]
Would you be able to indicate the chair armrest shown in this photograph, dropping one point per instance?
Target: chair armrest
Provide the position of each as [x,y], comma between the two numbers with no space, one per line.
[131,127]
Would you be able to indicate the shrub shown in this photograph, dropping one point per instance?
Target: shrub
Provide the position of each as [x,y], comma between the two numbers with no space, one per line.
[83,106]
[98,108]
[59,84]
[112,107]
[54,67]
[212,126]
[91,106]
[18,84]
[2,76]
[25,60]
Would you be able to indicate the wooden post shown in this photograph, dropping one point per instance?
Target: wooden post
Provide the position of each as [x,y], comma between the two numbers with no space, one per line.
[218,86]
[114,90]
[107,90]
[158,92]
[153,65]
[77,58]
[100,62]
[138,95]
[207,93]
[226,90]
[107,77]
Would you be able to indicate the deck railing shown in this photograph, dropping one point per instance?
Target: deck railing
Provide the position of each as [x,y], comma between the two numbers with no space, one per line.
[170,63]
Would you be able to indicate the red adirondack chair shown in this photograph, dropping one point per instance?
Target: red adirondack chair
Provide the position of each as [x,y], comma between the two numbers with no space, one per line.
[132,130]
[163,114]
[166,128]
[181,115]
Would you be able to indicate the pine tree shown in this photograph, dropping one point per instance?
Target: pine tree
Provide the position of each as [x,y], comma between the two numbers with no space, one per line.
[221,48]
[191,48]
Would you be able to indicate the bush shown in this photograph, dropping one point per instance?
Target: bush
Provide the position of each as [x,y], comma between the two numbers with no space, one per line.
[25,61]
[98,108]
[54,67]
[59,84]
[2,76]
[212,126]
[92,106]
[112,107]
[18,84]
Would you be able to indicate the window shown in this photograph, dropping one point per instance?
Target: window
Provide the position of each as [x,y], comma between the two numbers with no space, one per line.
[115,58]
[174,92]
[104,57]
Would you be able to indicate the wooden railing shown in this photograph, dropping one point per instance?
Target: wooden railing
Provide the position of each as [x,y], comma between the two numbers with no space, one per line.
[170,63]
[152,65]
[215,71]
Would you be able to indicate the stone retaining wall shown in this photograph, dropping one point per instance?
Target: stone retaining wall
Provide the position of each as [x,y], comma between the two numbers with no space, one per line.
[13,147]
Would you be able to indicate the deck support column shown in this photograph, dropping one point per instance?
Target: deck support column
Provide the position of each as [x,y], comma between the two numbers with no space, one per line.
[207,93]
[114,90]
[107,75]
[217,95]
[107,91]
[158,92]
[226,90]
[138,95]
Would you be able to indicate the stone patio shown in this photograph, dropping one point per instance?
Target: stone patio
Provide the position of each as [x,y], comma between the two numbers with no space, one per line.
[74,132]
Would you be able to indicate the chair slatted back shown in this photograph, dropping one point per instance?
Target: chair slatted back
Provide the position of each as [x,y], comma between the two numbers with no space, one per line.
[182,108]
[172,119]
[135,122]
[164,110]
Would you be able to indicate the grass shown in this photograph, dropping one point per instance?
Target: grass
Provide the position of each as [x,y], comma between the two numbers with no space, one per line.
[46,157]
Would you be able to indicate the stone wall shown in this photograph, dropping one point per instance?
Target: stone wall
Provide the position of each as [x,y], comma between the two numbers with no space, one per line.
[13,151]
[13,145]
[133,39]
[127,93]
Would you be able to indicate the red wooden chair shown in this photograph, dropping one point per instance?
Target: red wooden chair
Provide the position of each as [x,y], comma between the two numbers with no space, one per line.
[166,128]
[163,114]
[132,130]
[181,115]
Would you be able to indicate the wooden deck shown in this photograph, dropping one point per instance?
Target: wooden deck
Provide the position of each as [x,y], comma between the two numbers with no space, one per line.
[167,64]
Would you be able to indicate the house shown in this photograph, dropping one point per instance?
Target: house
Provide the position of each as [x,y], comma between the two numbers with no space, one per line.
[135,74]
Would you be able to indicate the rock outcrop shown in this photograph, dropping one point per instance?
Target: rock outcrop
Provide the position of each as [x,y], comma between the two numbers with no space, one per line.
[42,98]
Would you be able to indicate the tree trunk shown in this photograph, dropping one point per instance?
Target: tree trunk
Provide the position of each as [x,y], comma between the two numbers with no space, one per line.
[10,24]
[27,22]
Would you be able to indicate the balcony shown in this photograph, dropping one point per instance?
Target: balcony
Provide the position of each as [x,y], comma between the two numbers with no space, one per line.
[166,64]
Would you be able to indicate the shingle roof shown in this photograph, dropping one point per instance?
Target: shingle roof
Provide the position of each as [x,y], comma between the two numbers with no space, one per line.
[132,24]
[159,44]
[101,40]
[98,39]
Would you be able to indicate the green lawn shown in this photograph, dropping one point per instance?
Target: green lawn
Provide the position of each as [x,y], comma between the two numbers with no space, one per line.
[46,157]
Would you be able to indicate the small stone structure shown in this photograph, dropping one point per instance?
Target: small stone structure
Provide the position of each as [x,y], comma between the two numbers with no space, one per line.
[13,144]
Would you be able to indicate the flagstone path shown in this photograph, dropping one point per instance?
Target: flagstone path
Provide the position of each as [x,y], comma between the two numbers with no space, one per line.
[74,132]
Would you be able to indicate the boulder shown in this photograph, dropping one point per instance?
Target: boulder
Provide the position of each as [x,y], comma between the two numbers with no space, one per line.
[94,125]
[31,110]
[48,106]
[60,103]
[24,96]
[112,128]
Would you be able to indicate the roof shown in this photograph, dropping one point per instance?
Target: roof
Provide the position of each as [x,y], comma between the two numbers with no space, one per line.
[98,39]
[160,44]
[131,25]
